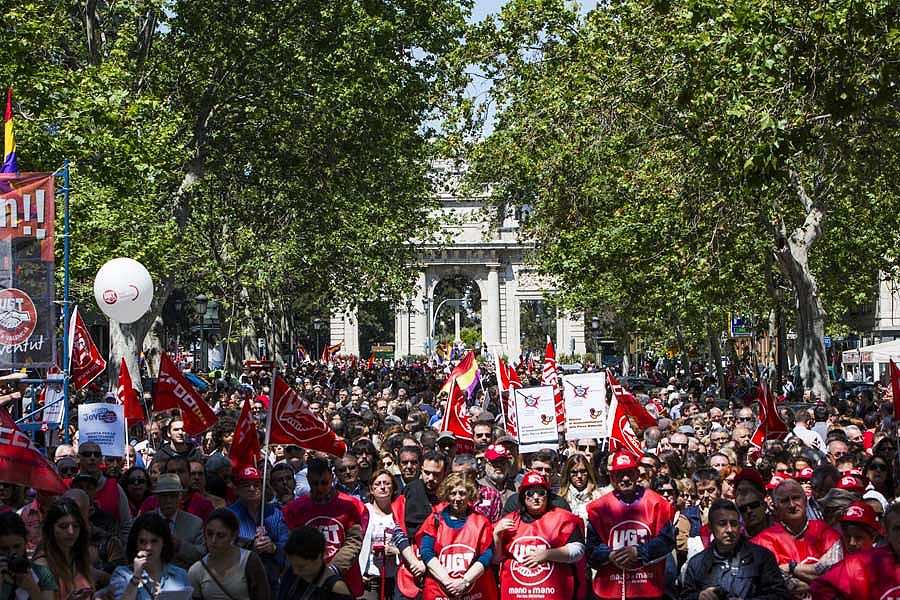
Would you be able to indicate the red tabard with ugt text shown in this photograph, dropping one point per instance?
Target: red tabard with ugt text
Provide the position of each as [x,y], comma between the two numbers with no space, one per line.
[333,520]
[621,525]
[872,574]
[549,579]
[457,550]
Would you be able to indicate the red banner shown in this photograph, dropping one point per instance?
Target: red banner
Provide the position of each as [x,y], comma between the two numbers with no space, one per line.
[456,420]
[245,445]
[128,396]
[292,422]
[771,427]
[86,361]
[895,389]
[20,461]
[630,405]
[551,378]
[173,390]
[621,435]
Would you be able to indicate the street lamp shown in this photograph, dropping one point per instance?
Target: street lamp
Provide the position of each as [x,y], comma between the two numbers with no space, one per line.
[409,311]
[201,304]
[317,326]
[595,332]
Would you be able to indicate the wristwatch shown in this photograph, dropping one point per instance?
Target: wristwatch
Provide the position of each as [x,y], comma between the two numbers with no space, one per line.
[792,566]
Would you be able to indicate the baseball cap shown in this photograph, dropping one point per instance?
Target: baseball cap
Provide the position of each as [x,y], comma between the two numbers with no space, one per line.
[533,478]
[622,461]
[496,452]
[248,474]
[686,430]
[805,474]
[447,435]
[850,483]
[863,514]
[776,479]
[751,475]
[484,417]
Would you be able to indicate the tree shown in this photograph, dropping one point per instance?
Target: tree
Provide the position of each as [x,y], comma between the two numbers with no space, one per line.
[271,152]
[671,149]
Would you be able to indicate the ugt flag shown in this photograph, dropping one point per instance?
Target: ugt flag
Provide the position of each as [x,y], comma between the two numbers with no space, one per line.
[173,390]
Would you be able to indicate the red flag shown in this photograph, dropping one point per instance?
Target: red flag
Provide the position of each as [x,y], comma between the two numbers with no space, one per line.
[508,380]
[549,377]
[128,396]
[85,359]
[456,420]
[245,445]
[371,364]
[895,388]
[20,461]
[173,390]
[621,435]
[771,427]
[328,351]
[631,406]
[294,423]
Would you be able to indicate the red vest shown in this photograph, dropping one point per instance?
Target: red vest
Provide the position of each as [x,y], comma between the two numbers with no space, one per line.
[550,579]
[871,574]
[457,550]
[333,520]
[817,540]
[621,525]
[408,585]
[107,498]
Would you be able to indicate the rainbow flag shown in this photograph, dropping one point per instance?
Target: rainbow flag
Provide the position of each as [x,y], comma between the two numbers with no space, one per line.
[466,374]
[10,165]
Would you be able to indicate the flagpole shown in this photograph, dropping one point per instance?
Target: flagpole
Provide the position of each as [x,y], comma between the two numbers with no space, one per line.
[500,390]
[262,509]
[67,317]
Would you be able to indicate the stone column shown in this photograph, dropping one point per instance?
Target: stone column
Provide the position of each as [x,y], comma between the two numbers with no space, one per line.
[491,320]
[344,326]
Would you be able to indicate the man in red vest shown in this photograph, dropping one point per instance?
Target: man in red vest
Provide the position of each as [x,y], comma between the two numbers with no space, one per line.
[341,519]
[629,535]
[110,497]
[871,574]
[804,548]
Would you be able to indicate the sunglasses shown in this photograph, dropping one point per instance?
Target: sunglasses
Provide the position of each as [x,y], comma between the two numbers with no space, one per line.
[91,454]
[536,493]
[578,472]
[666,491]
[68,471]
[582,448]
[879,467]
[674,445]
[749,506]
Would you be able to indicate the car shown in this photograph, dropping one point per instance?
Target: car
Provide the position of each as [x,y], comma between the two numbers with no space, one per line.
[638,384]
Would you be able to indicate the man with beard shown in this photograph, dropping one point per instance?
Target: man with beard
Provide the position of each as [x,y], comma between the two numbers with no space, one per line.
[410,459]
[804,548]
[340,518]
[629,534]
[410,511]
[732,567]
[497,466]
[366,455]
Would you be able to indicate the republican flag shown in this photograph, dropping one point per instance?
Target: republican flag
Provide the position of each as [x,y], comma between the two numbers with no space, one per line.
[329,351]
[895,389]
[292,422]
[465,373]
[771,427]
[10,164]
[245,445]
[302,354]
[127,395]
[621,435]
[173,390]
[84,357]
[508,380]
[550,377]
[631,406]
[21,463]
[371,363]
[456,420]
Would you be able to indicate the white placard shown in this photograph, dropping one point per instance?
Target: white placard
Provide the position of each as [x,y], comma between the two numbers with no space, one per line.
[585,398]
[536,417]
[104,425]
[53,400]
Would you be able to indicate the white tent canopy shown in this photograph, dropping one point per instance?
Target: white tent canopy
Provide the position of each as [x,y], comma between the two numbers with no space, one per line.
[876,355]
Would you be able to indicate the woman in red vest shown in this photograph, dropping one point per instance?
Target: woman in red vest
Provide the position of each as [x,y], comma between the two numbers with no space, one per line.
[541,547]
[457,546]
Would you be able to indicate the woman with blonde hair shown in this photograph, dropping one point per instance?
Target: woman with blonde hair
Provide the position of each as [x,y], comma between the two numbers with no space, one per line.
[578,485]
[448,534]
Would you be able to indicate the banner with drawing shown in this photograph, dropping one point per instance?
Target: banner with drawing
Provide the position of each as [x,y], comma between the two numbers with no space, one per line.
[584,396]
[536,418]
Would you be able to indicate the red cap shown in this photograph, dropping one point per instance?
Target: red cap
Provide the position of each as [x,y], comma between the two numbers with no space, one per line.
[863,514]
[851,483]
[248,474]
[496,452]
[622,461]
[777,478]
[533,478]
[854,471]
[751,475]
[805,474]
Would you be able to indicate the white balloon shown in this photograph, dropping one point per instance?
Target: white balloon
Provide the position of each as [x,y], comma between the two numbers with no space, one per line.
[123,290]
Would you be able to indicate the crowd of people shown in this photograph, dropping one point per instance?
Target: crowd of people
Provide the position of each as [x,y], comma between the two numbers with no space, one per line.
[410,511]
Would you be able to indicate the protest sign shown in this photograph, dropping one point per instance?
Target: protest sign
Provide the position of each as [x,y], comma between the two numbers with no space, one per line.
[584,396]
[104,425]
[536,418]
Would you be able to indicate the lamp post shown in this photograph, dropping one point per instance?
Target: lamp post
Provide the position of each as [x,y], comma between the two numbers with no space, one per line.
[595,332]
[201,304]
[426,304]
[409,311]
[317,326]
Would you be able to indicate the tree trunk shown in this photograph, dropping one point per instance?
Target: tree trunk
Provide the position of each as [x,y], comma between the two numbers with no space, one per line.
[715,352]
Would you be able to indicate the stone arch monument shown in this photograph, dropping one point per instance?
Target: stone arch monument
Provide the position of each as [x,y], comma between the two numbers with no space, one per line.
[488,251]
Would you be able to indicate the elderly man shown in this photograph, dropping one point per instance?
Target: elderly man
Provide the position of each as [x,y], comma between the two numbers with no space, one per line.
[837,449]
[872,574]
[110,497]
[732,567]
[629,533]
[804,548]
[187,529]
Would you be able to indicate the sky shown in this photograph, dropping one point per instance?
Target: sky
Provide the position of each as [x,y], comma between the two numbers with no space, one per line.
[485,7]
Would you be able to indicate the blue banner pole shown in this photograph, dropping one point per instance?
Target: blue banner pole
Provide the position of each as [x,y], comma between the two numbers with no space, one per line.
[66,309]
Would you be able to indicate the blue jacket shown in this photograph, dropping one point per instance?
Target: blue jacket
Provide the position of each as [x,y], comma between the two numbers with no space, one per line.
[277,531]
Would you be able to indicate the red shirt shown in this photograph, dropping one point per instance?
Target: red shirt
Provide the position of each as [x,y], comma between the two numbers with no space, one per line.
[872,574]
[457,550]
[818,539]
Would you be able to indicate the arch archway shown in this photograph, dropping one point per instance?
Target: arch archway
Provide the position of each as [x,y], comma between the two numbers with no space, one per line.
[447,292]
